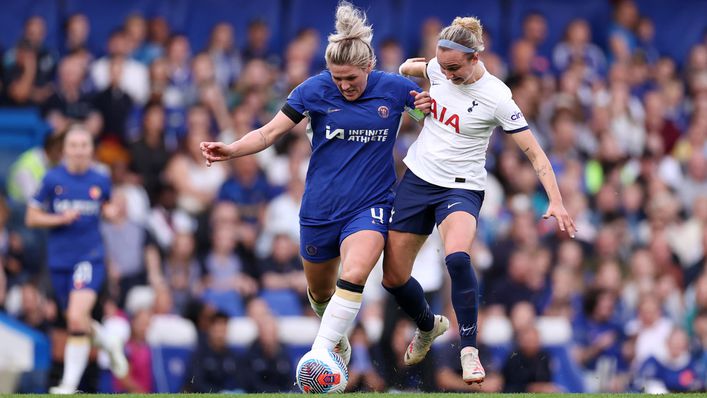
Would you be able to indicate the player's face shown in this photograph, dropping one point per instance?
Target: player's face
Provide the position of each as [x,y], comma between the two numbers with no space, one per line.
[78,150]
[455,65]
[351,80]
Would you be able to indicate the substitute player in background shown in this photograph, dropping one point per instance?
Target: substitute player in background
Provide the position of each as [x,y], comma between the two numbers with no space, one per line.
[445,183]
[70,202]
[354,115]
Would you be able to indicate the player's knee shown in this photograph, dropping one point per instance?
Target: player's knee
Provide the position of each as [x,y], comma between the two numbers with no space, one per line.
[321,294]
[394,279]
[354,275]
[77,321]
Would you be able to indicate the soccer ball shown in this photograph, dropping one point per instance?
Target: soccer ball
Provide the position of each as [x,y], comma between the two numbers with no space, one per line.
[321,371]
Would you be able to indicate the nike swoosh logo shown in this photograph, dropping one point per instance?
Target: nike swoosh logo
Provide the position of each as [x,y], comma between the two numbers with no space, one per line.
[466,330]
[449,206]
[332,110]
[435,83]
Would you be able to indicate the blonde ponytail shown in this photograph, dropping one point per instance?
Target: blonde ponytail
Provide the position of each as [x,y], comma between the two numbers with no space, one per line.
[351,44]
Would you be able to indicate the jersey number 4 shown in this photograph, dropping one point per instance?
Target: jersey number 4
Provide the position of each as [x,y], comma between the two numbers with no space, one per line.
[377,215]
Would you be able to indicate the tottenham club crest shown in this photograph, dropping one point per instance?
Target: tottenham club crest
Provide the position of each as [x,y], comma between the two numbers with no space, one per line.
[383,111]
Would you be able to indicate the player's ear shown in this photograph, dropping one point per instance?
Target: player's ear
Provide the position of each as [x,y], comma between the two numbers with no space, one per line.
[368,68]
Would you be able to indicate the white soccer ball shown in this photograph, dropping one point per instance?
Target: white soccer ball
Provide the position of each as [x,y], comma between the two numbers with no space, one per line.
[322,372]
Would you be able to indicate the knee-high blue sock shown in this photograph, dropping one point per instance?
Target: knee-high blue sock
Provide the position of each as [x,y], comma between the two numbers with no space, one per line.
[411,298]
[465,296]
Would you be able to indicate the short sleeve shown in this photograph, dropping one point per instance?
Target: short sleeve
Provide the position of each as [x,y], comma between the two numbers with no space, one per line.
[408,86]
[44,193]
[510,118]
[295,106]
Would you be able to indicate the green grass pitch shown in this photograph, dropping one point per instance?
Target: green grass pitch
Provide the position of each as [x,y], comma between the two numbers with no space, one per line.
[374,395]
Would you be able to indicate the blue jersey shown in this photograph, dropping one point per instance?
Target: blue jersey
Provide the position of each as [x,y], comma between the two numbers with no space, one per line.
[352,165]
[81,240]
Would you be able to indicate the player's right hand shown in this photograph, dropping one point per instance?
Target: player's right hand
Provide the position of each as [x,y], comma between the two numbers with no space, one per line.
[69,216]
[215,152]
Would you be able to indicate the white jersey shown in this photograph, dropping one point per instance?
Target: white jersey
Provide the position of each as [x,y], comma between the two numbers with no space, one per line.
[451,149]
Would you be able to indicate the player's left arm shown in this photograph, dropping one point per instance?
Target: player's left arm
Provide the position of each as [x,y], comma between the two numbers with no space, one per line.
[109,211]
[416,67]
[526,141]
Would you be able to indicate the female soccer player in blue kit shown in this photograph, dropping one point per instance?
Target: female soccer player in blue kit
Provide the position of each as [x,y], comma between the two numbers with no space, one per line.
[70,202]
[445,185]
[354,115]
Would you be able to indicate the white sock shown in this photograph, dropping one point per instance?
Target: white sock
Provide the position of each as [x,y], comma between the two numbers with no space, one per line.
[338,317]
[76,355]
[318,307]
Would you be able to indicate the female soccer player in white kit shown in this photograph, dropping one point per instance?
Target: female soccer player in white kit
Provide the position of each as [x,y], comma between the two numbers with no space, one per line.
[445,185]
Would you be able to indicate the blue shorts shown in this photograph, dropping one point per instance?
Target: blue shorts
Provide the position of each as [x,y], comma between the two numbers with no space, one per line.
[419,204]
[319,243]
[84,275]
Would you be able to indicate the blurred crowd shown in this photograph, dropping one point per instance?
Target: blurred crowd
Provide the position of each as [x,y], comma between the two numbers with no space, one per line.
[624,127]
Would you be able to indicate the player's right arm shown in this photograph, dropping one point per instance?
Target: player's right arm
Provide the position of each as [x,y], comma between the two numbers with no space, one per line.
[255,141]
[38,218]
[416,67]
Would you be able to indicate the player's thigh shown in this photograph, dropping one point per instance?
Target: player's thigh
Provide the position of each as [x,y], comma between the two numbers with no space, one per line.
[87,280]
[457,217]
[321,278]
[78,313]
[399,256]
[362,241]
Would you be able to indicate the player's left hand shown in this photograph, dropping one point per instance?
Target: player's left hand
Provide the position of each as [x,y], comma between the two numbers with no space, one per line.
[564,220]
[423,101]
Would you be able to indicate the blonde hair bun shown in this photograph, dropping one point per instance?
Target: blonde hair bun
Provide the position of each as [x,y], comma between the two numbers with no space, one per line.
[470,23]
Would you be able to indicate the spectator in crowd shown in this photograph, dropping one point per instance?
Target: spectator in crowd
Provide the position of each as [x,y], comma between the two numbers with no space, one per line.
[133,77]
[363,373]
[677,371]
[114,104]
[622,36]
[69,104]
[29,67]
[391,55]
[577,48]
[136,35]
[599,341]
[166,220]
[133,257]
[77,28]
[535,33]
[183,273]
[215,368]
[269,366]
[149,155]
[224,54]
[225,272]
[527,369]
[258,43]
[651,330]
[196,184]
[139,379]
[27,171]
[248,188]
[283,269]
